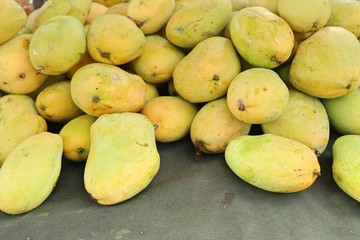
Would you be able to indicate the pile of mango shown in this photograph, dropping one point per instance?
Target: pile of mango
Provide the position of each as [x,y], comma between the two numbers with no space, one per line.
[119,76]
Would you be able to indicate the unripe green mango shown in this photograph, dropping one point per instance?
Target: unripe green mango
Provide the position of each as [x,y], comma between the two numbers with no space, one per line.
[272,163]
[123,157]
[12,19]
[304,119]
[19,119]
[57,45]
[346,164]
[205,73]
[30,172]
[344,112]
[196,21]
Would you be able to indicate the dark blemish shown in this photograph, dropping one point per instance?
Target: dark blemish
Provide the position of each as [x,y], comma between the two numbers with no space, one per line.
[80,150]
[22,75]
[348,86]
[198,144]
[315,172]
[105,55]
[276,60]
[96,99]
[156,126]
[315,25]
[38,71]
[5,83]
[207,34]
[153,75]
[42,107]
[216,77]
[264,89]
[142,144]
[180,29]
[228,198]
[317,152]
[241,106]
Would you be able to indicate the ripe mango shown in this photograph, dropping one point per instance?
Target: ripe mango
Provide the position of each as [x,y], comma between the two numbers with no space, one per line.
[257,96]
[196,21]
[271,5]
[214,126]
[171,117]
[205,73]
[305,120]
[12,19]
[19,119]
[346,164]
[17,74]
[76,138]
[114,39]
[123,157]
[326,64]
[272,163]
[110,3]
[30,173]
[150,15]
[271,46]
[50,51]
[99,88]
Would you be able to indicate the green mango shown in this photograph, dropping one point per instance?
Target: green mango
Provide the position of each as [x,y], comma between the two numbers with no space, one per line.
[50,51]
[205,73]
[30,172]
[346,164]
[272,163]
[19,119]
[304,119]
[123,157]
[196,21]
[344,112]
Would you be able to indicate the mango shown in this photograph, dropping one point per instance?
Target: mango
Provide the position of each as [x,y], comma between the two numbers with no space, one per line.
[99,88]
[326,64]
[257,96]
[55,104]
[30,173]
[19,119]
[151,91]
[305,120]
[346,164]
[114,39]
[110,3]
[12,19]
[17,74]
[196,21]
[96,9]
[239,4]
[271,5]
[272,163]
[123,157]
[50,51]
[344,112]
[150,15]
[119,8]
[205,73]
[171,117]
[214,126]
[78,9]
[157,60]
[76,138]
[270,47]
[306,15]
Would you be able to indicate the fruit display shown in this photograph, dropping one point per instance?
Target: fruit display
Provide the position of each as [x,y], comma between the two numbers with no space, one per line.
[120,77]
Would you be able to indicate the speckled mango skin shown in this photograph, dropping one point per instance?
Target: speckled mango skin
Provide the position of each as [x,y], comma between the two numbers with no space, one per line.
[123,157]
[272,163]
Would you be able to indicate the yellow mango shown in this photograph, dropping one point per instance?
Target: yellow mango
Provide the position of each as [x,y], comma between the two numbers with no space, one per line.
[158,59]
[12,19]
[346,164]
[50,51]
[151,91]
[19,119]
[114,39]
[123,157]
[55,104]
[17,74]
[305,120]
[110,3]
[205,73]
[196,21]
[272,163]
[214,126]
[119,8]
[96,9]
[171,117]
[99,88]
[268,4]
[30,173]
[76,138]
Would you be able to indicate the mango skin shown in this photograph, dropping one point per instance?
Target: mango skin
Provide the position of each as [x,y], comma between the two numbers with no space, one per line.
[30,172]
[12,19]
[99,88]
[123,157]
[206,72]
[17,74]
[19,120]
[346,164]
[272,163]
[305,120]
[196,21]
